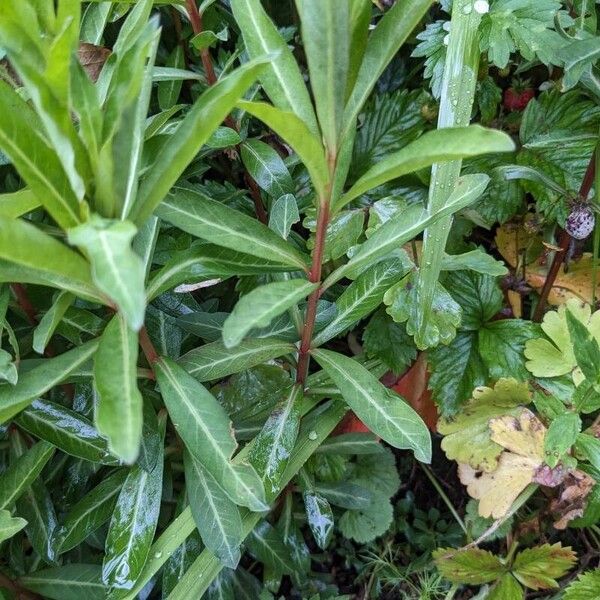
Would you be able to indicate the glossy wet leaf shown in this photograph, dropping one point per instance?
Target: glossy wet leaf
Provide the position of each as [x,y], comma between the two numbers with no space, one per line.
[385,413]
[118,414]
[217,518]
[206,430]
[214,361]
[260,306]
[274,444]
[68,582]
[66,429]
[132,525]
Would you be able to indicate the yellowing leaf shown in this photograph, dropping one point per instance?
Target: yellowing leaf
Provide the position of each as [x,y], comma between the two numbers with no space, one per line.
[522,439]
[554,356]
[539,568]
[467,437]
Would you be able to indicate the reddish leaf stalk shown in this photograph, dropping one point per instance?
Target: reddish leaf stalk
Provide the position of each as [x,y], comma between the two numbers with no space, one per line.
[564,241]
[148,347]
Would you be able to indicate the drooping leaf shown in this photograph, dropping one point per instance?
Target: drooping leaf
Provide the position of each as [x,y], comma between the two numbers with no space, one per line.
[48,323]
[116,269]
[206,430]
[118,414]
[385,413]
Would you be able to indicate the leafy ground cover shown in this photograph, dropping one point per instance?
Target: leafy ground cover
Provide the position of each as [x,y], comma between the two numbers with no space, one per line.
[298,299]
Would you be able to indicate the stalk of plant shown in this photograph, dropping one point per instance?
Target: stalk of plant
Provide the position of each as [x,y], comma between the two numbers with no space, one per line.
[456,104]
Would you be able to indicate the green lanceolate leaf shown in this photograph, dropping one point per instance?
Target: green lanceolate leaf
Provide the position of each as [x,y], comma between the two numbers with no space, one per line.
[49,322]
[384,412]
[9,525]
[281,77]
[133,524]
[326,37]
[362,297]
[118,414]
[351,443]
[217,517]
[345,495]
[66,429]
[214,361]
[205,262]
[319,516]
[201,121]
[116,269]
[297,134]
[432,147]
[267,168]
[41,378]
[90,513]
[206,430]
[283,214]
[259,307]
[17,204]
[273,446]
[385,41]
[404,227]
[28,255]
[21,139]
[25,469]
[200,216]
[265,544]
[69,582]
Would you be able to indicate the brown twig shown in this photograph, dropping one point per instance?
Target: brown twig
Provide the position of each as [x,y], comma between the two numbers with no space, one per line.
[196,20]
[564,241]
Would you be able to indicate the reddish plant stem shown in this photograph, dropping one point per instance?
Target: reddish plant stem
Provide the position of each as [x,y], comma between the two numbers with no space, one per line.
[315,277]
[25,303]
[20,592]
[148,347]
[564,241]
[196,20]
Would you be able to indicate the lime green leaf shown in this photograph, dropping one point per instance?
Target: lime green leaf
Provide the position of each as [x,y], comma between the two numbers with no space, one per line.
[206,430]
[200,122]
[259,307]
[22,472]
[585,347]
[32,256]
[118,414]
[437,146]
[116,269]
[538,568]
[217,517]
[41,378]
[467,437]
[562,434]
[17,204]
[215,222]
[384,412]
[281,79]
[473,566]
[214,361]
[585,587]
[9,525]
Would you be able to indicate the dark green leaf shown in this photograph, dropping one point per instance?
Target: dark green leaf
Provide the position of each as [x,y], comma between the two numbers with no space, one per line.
[267,168]
[69,582]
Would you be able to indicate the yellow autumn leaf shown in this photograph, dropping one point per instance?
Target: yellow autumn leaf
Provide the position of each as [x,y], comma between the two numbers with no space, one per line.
[522,438]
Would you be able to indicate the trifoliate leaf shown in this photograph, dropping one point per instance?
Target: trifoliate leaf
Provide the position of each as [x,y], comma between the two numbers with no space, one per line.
[522,439]
[520,25]
[389,342]
[586,587]
[554,357]
[404,305]
[468,438]
[538,568]
[473,566]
